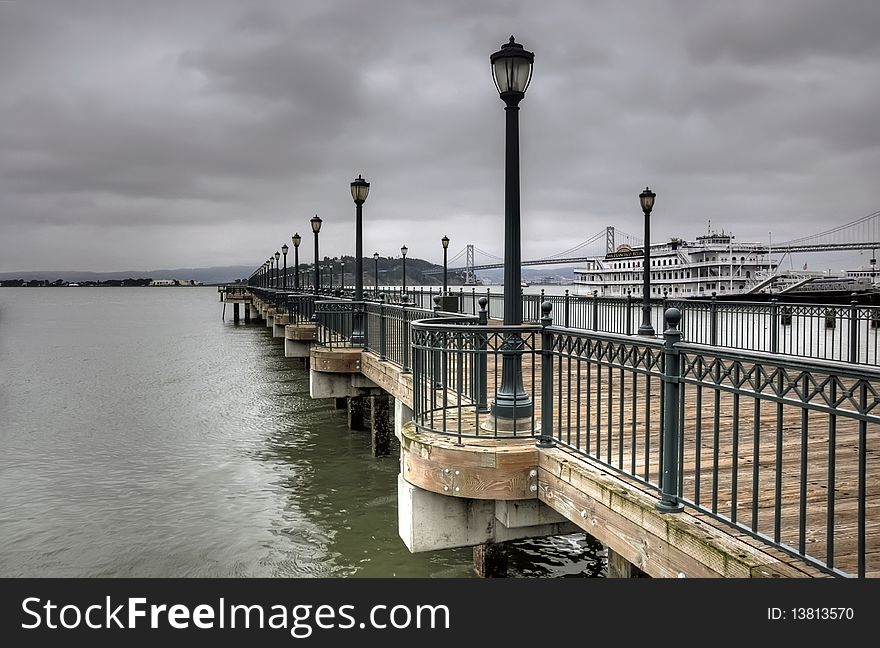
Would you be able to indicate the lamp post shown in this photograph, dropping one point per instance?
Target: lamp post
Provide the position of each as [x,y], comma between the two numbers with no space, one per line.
[375,275]
[647,200]
[296,238]
[284,250]
[270,278]
[445,242]
[403,251]
[512,72]
[316,228]
[277,270]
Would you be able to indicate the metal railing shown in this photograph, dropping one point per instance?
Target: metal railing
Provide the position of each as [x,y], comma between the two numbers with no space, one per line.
[335,321]
[300,308]
[783,448]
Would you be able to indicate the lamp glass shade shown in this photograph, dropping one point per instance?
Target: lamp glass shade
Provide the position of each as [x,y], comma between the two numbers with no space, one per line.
[375,256]
[296,238]
[445,242]
[284,249]
[316,224]
[512,68]
[360,188]
[277,255]
[404,250]
[647,199]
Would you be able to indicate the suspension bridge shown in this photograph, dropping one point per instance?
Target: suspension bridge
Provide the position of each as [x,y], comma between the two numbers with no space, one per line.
[860,234]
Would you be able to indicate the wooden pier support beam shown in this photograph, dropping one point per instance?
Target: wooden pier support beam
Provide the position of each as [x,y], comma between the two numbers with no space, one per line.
[381,425]
[247,313]
[620,567]
[490,560]
[235,315]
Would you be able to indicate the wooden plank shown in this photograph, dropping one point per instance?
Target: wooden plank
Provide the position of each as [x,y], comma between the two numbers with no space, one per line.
[469,481]
[716,551]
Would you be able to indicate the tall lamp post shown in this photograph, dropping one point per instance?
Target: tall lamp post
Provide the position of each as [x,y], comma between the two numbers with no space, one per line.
[375,275]
[360,189]
[316,228]
[284,250]
[271,276]
[403,251]
[445,242]
[277,271]
[296,238]
[512,72]
[647,200]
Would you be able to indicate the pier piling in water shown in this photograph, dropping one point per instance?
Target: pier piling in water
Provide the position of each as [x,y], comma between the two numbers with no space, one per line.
[381,425]
[357,413]
[490,560]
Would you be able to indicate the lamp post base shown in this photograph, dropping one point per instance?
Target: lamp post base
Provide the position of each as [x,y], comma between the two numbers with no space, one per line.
[647,329]
[507,427]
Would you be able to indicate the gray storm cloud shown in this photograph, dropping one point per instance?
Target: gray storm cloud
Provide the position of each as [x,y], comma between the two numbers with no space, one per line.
[166,134]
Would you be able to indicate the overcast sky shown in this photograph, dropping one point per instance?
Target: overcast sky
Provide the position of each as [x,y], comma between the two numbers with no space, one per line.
[142,135]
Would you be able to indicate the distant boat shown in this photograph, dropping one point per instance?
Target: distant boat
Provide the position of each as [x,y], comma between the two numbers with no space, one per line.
[523,284]
[73,284]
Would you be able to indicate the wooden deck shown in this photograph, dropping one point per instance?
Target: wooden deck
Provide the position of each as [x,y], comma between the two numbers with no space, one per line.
[787,471]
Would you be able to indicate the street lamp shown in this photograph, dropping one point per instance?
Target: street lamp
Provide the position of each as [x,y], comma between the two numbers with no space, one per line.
[316,228]
[445,242]
[284,250]
[296,238]
[376,275]
[360,189]
[512,71]
[647,200]
[403,251]
[277,266]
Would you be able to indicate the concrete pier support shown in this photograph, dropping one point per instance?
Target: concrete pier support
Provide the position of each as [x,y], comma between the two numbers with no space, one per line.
[341,402]
[428,521]
[620,567]
[247,313]
[296,348]
[254,312]
[235,315]
[381,425]
[490,560]
[402,415]
[358,414]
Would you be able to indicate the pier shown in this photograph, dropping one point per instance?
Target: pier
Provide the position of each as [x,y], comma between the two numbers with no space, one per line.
[732,444]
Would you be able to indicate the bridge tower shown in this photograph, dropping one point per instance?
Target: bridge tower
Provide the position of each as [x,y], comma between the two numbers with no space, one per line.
[609,239]
[470,277]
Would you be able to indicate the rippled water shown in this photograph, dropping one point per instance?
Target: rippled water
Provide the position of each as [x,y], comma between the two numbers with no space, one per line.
[141,435]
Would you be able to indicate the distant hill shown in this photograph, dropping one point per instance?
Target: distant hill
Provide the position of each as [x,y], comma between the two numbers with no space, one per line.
[214,275]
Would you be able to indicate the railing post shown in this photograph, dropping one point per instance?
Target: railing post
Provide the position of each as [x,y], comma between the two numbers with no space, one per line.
[713,320]
[774,325]
[461,300]
[473,301]
[406,337]
[629,300]
[565,311]
[438,348]
[488,304]
[382,328]
[545,438]
[854,329]
[482,361]
[669,502]
[595,310]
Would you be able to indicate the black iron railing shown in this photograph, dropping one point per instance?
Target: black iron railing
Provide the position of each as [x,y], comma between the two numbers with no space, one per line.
[783,448]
